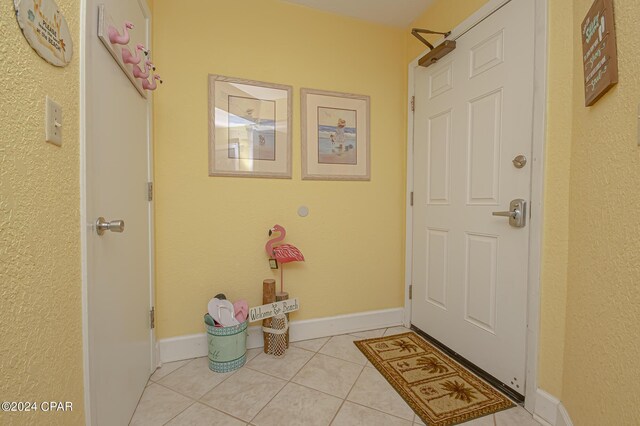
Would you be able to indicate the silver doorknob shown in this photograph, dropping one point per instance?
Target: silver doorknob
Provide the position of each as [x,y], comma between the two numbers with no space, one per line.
[114,226]
[517,213]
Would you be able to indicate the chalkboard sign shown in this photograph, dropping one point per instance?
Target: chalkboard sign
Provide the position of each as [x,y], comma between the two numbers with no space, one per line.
[600,56]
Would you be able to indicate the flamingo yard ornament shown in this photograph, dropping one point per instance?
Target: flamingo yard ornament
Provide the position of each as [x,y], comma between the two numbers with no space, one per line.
[283,253]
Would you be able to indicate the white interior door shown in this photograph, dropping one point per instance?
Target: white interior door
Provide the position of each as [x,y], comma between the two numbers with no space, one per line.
[473,116]
[117,147]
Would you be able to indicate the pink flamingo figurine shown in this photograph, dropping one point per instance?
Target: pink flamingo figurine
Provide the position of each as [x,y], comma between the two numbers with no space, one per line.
[283,253]
[128,58]
[138,73]
[116,38]
[152,85]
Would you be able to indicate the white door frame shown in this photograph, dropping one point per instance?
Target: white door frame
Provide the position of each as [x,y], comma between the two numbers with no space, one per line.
[86,222]
[537,183]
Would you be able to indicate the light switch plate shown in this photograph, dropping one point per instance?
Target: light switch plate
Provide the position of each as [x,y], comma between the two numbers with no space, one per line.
[53,122]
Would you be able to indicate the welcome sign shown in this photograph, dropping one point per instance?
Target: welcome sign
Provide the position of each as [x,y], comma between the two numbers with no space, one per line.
[600,55]
[46,30]
[272,309]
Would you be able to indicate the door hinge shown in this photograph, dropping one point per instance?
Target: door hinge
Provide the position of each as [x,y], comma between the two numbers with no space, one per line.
[411,200]
[413,104]
[149,191]
[152,317]
[411,292]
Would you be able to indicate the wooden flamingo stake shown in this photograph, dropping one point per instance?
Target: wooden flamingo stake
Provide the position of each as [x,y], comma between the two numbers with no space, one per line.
[283,253]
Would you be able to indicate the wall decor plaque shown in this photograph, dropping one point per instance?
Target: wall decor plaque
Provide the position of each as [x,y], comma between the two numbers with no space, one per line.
[600,56]
[46,30]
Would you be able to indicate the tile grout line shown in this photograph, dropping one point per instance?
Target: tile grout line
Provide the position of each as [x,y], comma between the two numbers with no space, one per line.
[289,381]
[346,396]
[188,361]
[221,411]
[190,397]
[387,413]
[189,406]
[285,385]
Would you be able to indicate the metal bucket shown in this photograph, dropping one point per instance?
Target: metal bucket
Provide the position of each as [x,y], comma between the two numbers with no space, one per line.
[227,346]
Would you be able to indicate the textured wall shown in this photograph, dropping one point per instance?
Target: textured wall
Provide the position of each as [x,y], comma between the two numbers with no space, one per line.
[40,286]
[602,344]
[211,231]
[555,243]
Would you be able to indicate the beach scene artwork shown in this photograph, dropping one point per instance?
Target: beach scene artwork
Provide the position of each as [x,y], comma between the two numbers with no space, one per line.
[337,136]
[252,128]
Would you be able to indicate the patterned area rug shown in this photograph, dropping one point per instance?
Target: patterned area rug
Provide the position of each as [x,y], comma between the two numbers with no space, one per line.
[437,388]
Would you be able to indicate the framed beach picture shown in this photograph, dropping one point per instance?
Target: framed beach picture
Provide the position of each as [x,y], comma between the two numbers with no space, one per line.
[335,136]
[249,128]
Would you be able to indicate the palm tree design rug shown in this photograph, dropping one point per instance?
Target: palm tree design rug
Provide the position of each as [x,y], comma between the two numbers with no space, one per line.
[437,388]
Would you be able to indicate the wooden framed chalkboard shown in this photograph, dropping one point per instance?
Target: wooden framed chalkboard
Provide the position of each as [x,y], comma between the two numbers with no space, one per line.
[600,55]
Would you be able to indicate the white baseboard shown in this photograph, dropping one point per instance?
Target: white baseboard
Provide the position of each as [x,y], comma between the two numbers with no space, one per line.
[549,411]
[195,345]
[563,417]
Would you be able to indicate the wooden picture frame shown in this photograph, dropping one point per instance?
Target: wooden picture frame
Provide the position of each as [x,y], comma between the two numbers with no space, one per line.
[335,135]
[249,128]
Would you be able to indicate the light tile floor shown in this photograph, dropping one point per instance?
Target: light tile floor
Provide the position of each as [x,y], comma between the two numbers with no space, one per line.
[318,382]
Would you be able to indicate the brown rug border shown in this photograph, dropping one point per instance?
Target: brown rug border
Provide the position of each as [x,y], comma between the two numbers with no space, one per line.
[417,409]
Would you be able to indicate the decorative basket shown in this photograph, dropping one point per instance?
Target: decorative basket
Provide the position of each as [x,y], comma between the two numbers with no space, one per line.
[227,346]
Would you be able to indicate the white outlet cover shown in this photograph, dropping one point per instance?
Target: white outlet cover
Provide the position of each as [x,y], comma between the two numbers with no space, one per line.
[53,122]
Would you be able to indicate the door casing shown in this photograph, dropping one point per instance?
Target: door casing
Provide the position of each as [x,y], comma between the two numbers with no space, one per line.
[537,183]
[85,221]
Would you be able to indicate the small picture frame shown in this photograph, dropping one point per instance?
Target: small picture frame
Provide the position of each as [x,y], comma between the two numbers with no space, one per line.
[335,136]
[249,128]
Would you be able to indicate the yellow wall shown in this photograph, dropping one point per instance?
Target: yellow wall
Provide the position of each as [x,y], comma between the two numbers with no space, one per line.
[555,248]
[40,288]
[211,231]
[601,368]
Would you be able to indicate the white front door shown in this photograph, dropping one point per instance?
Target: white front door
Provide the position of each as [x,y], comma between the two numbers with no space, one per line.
[117,144]
[473,116]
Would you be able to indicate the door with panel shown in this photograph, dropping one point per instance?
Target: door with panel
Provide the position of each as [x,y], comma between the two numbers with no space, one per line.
[117,169]
[473,116]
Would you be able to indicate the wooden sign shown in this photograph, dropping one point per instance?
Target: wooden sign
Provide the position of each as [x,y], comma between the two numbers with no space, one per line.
[272,309]
[46,30]
[600,55]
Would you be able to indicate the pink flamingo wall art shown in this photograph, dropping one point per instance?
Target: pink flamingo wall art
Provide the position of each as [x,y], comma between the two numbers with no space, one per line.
[138,73]
[116,38]
[128,58]
[283,253]
[152,85]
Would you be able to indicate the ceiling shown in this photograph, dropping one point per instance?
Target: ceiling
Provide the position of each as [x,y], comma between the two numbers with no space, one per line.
[397,13]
